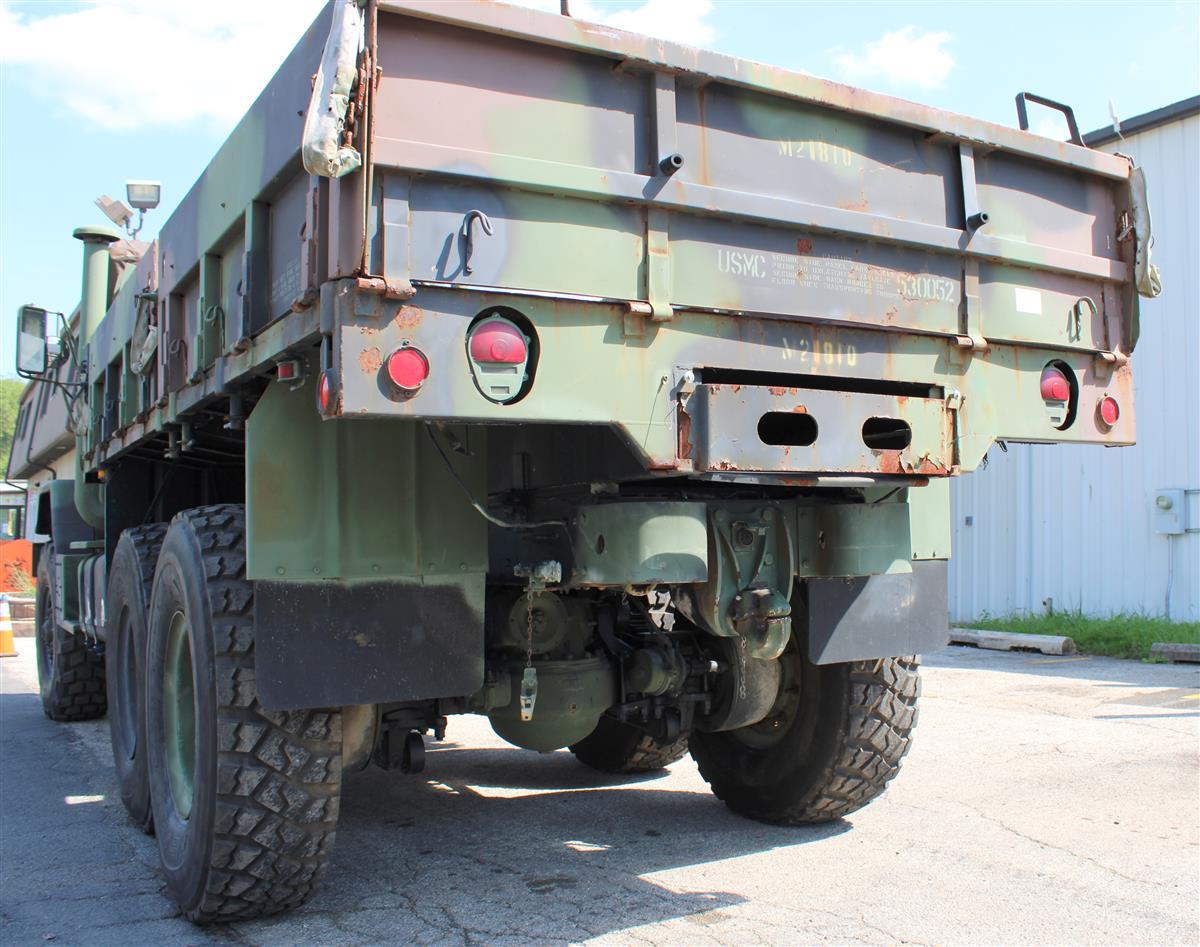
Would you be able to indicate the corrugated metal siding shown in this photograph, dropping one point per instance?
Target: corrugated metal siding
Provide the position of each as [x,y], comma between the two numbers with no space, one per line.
[1075,523]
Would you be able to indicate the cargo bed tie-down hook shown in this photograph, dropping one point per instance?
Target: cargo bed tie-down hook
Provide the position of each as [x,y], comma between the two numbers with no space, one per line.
[468,235]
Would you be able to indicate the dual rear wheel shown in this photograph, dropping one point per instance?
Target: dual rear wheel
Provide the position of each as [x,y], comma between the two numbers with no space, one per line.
[128,601]
[830,744]
[243,801]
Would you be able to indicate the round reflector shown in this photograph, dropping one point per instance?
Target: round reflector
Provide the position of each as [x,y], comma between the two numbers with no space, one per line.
[497,342]
[1055,386]
[407,368]
[324,393]
[1110,411]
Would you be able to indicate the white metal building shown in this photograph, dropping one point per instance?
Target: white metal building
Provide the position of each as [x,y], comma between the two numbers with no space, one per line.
[1079,525]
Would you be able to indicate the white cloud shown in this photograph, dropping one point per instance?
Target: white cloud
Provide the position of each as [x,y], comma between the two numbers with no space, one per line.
[680,21]
[136,63]
[904,57]
[125,64]
[1052,126]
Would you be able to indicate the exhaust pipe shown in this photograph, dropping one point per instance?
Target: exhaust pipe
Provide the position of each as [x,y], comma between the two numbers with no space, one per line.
[93,304]
[93,297]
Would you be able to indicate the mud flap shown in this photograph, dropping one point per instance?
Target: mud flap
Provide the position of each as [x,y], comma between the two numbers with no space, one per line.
[878,616]
[330,644]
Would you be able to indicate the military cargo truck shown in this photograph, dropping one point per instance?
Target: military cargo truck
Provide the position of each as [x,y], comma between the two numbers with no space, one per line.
[506,364]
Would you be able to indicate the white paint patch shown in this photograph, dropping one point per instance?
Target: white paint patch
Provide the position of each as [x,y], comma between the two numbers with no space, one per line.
[81,800]
[1028,300]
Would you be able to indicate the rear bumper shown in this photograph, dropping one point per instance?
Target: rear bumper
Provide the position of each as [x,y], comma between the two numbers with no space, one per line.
[795,430]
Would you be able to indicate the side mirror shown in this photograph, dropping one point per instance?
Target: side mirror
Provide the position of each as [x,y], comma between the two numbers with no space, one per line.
[33,343]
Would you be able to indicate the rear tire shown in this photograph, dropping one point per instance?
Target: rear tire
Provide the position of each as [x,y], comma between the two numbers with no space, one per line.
[70,674]
[616,747]
[245,800]
[127,602]
[831,744]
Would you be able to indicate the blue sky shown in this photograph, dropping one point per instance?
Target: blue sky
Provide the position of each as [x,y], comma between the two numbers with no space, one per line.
[93,93]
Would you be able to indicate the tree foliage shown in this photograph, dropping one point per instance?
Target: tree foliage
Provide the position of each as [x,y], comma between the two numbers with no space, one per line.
[10,404]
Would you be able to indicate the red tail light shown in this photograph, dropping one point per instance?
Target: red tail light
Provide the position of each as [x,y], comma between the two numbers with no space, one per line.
[407,368]
[498,342]
[1055,386]
[325,394]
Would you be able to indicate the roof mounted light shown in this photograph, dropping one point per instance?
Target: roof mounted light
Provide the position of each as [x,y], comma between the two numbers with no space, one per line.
[143,195]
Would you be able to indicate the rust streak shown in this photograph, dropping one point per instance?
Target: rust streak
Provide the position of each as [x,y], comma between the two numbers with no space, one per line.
[889,462]
[685,434]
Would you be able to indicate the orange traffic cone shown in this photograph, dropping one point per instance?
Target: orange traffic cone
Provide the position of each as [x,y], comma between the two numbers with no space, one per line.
[7,647]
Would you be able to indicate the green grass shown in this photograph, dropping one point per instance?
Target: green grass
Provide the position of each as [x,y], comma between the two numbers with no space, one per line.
[1121,636]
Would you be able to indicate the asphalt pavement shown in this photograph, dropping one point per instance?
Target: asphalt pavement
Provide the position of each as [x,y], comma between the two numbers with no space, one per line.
[1045,801]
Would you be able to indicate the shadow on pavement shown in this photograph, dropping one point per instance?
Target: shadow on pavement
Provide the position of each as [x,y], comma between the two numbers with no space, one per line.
[493,845]
[507,844]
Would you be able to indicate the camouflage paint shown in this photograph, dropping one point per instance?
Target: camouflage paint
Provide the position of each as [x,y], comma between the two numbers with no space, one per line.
[814,231]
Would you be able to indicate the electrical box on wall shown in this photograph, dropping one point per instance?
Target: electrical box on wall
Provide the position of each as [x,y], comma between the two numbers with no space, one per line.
[1170,512]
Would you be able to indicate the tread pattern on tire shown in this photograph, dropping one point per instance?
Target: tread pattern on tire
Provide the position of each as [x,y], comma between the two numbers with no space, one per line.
[77,691]
[650,755]
[874,735]
[147,540]
[618,755]
[278,772]
[647,757]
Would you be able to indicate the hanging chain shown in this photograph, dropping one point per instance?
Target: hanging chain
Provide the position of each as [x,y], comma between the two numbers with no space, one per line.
[529,680]
[529,627]
[537,577]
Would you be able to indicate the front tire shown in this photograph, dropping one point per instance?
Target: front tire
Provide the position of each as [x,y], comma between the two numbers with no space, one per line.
[245,800]
[70,674]
[831,744]
[127,602]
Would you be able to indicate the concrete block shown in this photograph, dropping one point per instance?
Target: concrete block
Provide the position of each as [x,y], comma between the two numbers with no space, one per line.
[1179,653]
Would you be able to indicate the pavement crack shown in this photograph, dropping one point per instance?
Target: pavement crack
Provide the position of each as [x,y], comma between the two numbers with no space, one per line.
[995,820]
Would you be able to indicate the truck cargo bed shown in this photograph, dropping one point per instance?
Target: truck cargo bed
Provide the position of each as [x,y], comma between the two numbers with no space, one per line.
[660,211]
